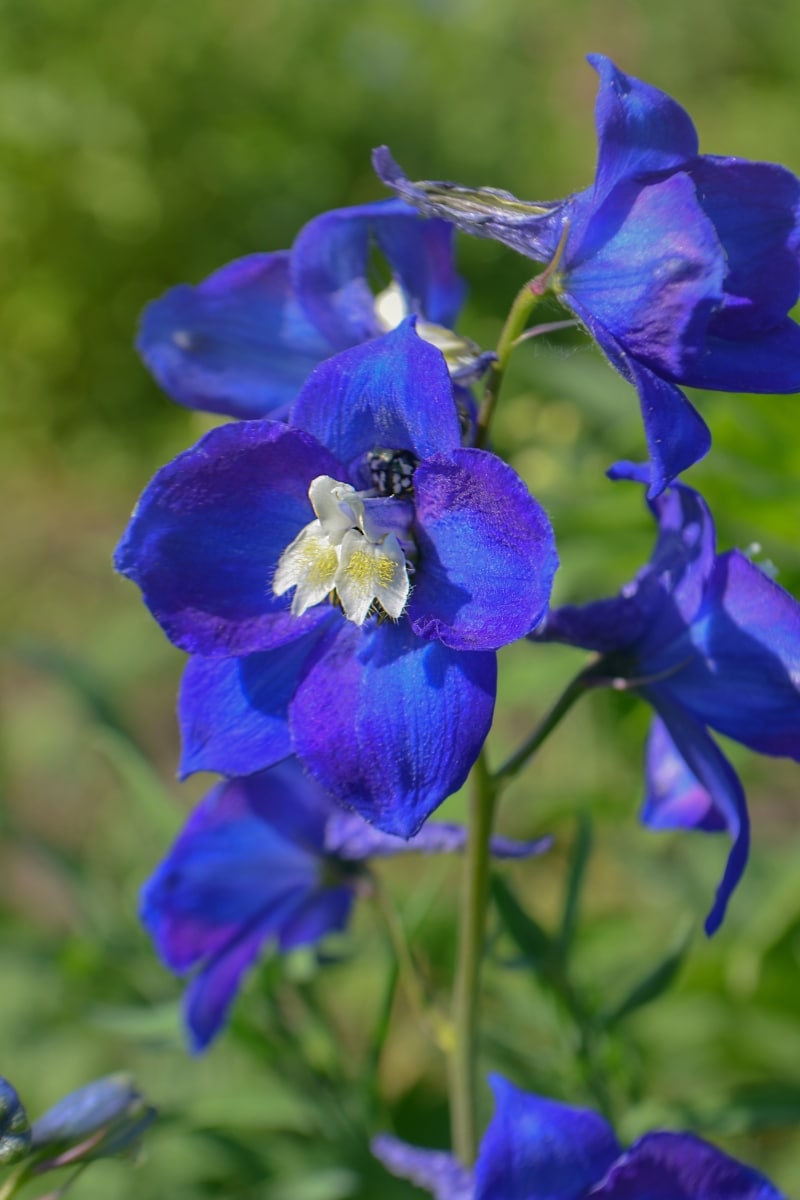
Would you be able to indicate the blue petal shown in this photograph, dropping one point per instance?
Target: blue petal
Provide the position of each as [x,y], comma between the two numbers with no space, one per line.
[680,1166]
[639,128]
[331,261]
[712,771]
[487,553]
[744,677]
[233,712]
[532,227]
[535,1146]
[206,536]
[211,993]
[649,268]
[391,724]
[438,1172]
[765,362]
[677,436]
[754,208]
[394,392]
[675,798]
[238,343]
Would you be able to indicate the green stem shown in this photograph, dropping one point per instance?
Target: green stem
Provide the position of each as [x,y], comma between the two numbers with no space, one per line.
[15,1181]
[463,1062]
[587,678]
[515,323]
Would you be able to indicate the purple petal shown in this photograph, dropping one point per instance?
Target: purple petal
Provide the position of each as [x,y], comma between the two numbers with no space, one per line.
[328,911]
[238,343]
[207,534]
[394,392]
[437,1171]
[487,553]
[677,436]
[348,836]
[531,227]
[711,770]
[233,712]
[639,128]
[391,724]
[538,1146]
[744,678]
[675,798]
[331,262]
[680,1166]
[649,268]
[211,993]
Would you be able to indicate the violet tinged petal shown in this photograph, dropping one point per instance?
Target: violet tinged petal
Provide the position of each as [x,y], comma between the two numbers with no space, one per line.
[233,712]
[764,362]
[438,1172]
[605,626]
[714,773]
[349,837]
[212,991]
[535,1146]
[487,553]
[331,263]
[207,533]
[677,436]
[532,228]
[394,392]
[391,724]
[680,1166]
[674,797]
[238,343]
[639,128]
[649,268]
[744,678]
[232,866]
[327,911]
[754,207]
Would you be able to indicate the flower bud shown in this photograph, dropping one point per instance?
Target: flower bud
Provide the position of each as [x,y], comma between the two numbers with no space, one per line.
[15,1134]
[104,1118]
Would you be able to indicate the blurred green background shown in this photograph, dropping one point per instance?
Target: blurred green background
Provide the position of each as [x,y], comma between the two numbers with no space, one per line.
[143,144]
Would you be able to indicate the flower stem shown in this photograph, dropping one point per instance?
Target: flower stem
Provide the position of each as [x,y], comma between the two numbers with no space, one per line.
[587,678]
[463,1062]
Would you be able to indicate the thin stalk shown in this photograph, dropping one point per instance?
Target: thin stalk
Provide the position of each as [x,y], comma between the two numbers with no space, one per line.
[587,678]
[463,1062]
[433,1024]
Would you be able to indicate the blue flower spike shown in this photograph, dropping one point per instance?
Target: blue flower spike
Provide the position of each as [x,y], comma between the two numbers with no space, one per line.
[343,582]
[683,267]
[15,1134]
[269,859]
[553,1151]
[710,641]
[244,340]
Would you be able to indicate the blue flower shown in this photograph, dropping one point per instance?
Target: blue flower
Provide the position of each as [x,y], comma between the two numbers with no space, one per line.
[683,267]
[538,1147]
[245,340]
[267,859]
[709,640]
[434,554]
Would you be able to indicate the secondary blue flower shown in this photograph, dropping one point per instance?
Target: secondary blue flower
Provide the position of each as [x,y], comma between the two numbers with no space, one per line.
[709,640]
[536,1147]
[245,340]
[683,267]
[267,859]
[435,555]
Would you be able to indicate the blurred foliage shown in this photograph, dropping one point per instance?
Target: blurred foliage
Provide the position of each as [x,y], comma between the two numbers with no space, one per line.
[142,144]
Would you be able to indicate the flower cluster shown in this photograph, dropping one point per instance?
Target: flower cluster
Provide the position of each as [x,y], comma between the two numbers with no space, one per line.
[539,1147]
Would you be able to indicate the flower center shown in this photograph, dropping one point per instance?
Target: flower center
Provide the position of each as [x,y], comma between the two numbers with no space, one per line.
[346,553]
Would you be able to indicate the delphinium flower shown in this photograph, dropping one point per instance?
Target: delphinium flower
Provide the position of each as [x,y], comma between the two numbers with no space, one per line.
[270,858]
[343,582]
[683,267]
[244,340]
[539,1149]
[709,640]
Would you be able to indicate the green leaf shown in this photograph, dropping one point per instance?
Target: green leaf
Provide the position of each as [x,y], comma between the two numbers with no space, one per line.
[650,987]
[527,934]
[579,860]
